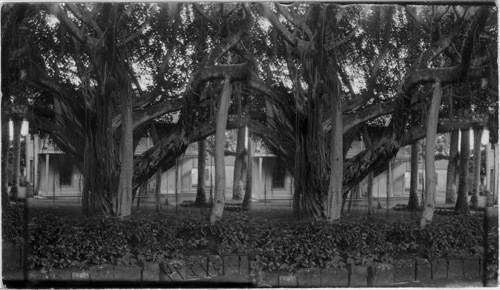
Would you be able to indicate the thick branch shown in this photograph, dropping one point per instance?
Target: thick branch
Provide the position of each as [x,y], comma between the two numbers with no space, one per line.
[56,10]
[282,30]
[210,20]
[296,22]
[89,21]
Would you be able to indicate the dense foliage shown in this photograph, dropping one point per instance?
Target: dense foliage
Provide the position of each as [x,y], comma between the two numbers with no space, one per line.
[492,259]
[12,223]
[272,244]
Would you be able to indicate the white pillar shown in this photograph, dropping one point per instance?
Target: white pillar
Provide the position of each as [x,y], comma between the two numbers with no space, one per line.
[35,162]
[27,141]
[487,181]
[47,157]
[495,186]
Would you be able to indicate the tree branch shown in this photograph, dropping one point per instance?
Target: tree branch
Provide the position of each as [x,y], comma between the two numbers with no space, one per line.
[297,23]
[293,40]
[210,20]
[89,21]
[56,10]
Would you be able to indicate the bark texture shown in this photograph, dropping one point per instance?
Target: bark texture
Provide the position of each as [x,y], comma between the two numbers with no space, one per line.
[430,162]
[451,189]
[248,186]
[333,208]
[369,181]
[5,158]
[16,157]
[201,196]
[413,200]
[158,206]
[462,205]
[220,138]
[127,160]
[240,150]
[476,167]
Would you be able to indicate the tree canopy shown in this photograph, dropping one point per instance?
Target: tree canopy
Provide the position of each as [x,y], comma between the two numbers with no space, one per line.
[70,63]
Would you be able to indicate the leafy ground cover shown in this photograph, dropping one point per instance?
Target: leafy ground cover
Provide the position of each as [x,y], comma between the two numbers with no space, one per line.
[272,243]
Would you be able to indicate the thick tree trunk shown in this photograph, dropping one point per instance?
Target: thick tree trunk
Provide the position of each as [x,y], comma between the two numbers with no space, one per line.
[369,193]
[413,200]
[240,150]
[127,160]
[451,192]
[201,196]
[154,135]
[369,186]
[158,192]
[333,206]
[5,158]
[476,169]
[462,205]
[430,153]
[487,178]
[389,183]
[248,185]
[220,138]
[16,157]
[238,165]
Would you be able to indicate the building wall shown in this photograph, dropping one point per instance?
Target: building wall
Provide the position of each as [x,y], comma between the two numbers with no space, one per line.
[262,180]
[51,186]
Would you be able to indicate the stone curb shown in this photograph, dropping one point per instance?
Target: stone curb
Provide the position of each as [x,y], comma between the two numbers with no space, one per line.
[377,275]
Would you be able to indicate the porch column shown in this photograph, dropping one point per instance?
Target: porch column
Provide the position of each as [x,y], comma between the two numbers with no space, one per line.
[35,163]
[487,181]
[28,155]
[495,186]
[47,157]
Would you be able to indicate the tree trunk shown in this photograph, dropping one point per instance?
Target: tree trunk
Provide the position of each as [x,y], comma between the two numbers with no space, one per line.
[413,200]
[333,206]
[430,152]
[248,185]
[462,205]
[389,183]
[240,150]
[476,171]
[238,165]
[220,138]
[369,186]
[5,158]
[451,192]
[16,157]
[369,193]
[487,178]
[154,135]
[201,196]
[127,159]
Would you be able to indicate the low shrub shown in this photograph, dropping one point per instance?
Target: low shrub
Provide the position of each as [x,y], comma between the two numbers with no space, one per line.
[272,244]
[12,222]
[492,257]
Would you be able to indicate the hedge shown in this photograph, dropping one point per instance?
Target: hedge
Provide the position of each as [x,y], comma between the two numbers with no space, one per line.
[57,242]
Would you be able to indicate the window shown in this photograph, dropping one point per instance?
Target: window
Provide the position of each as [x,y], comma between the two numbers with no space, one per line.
[65,170]
[279,174]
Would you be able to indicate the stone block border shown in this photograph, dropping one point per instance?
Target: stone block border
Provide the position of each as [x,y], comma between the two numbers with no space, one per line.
[236,269]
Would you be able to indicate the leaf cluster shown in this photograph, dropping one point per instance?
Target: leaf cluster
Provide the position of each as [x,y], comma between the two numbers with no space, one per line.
[271,244]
